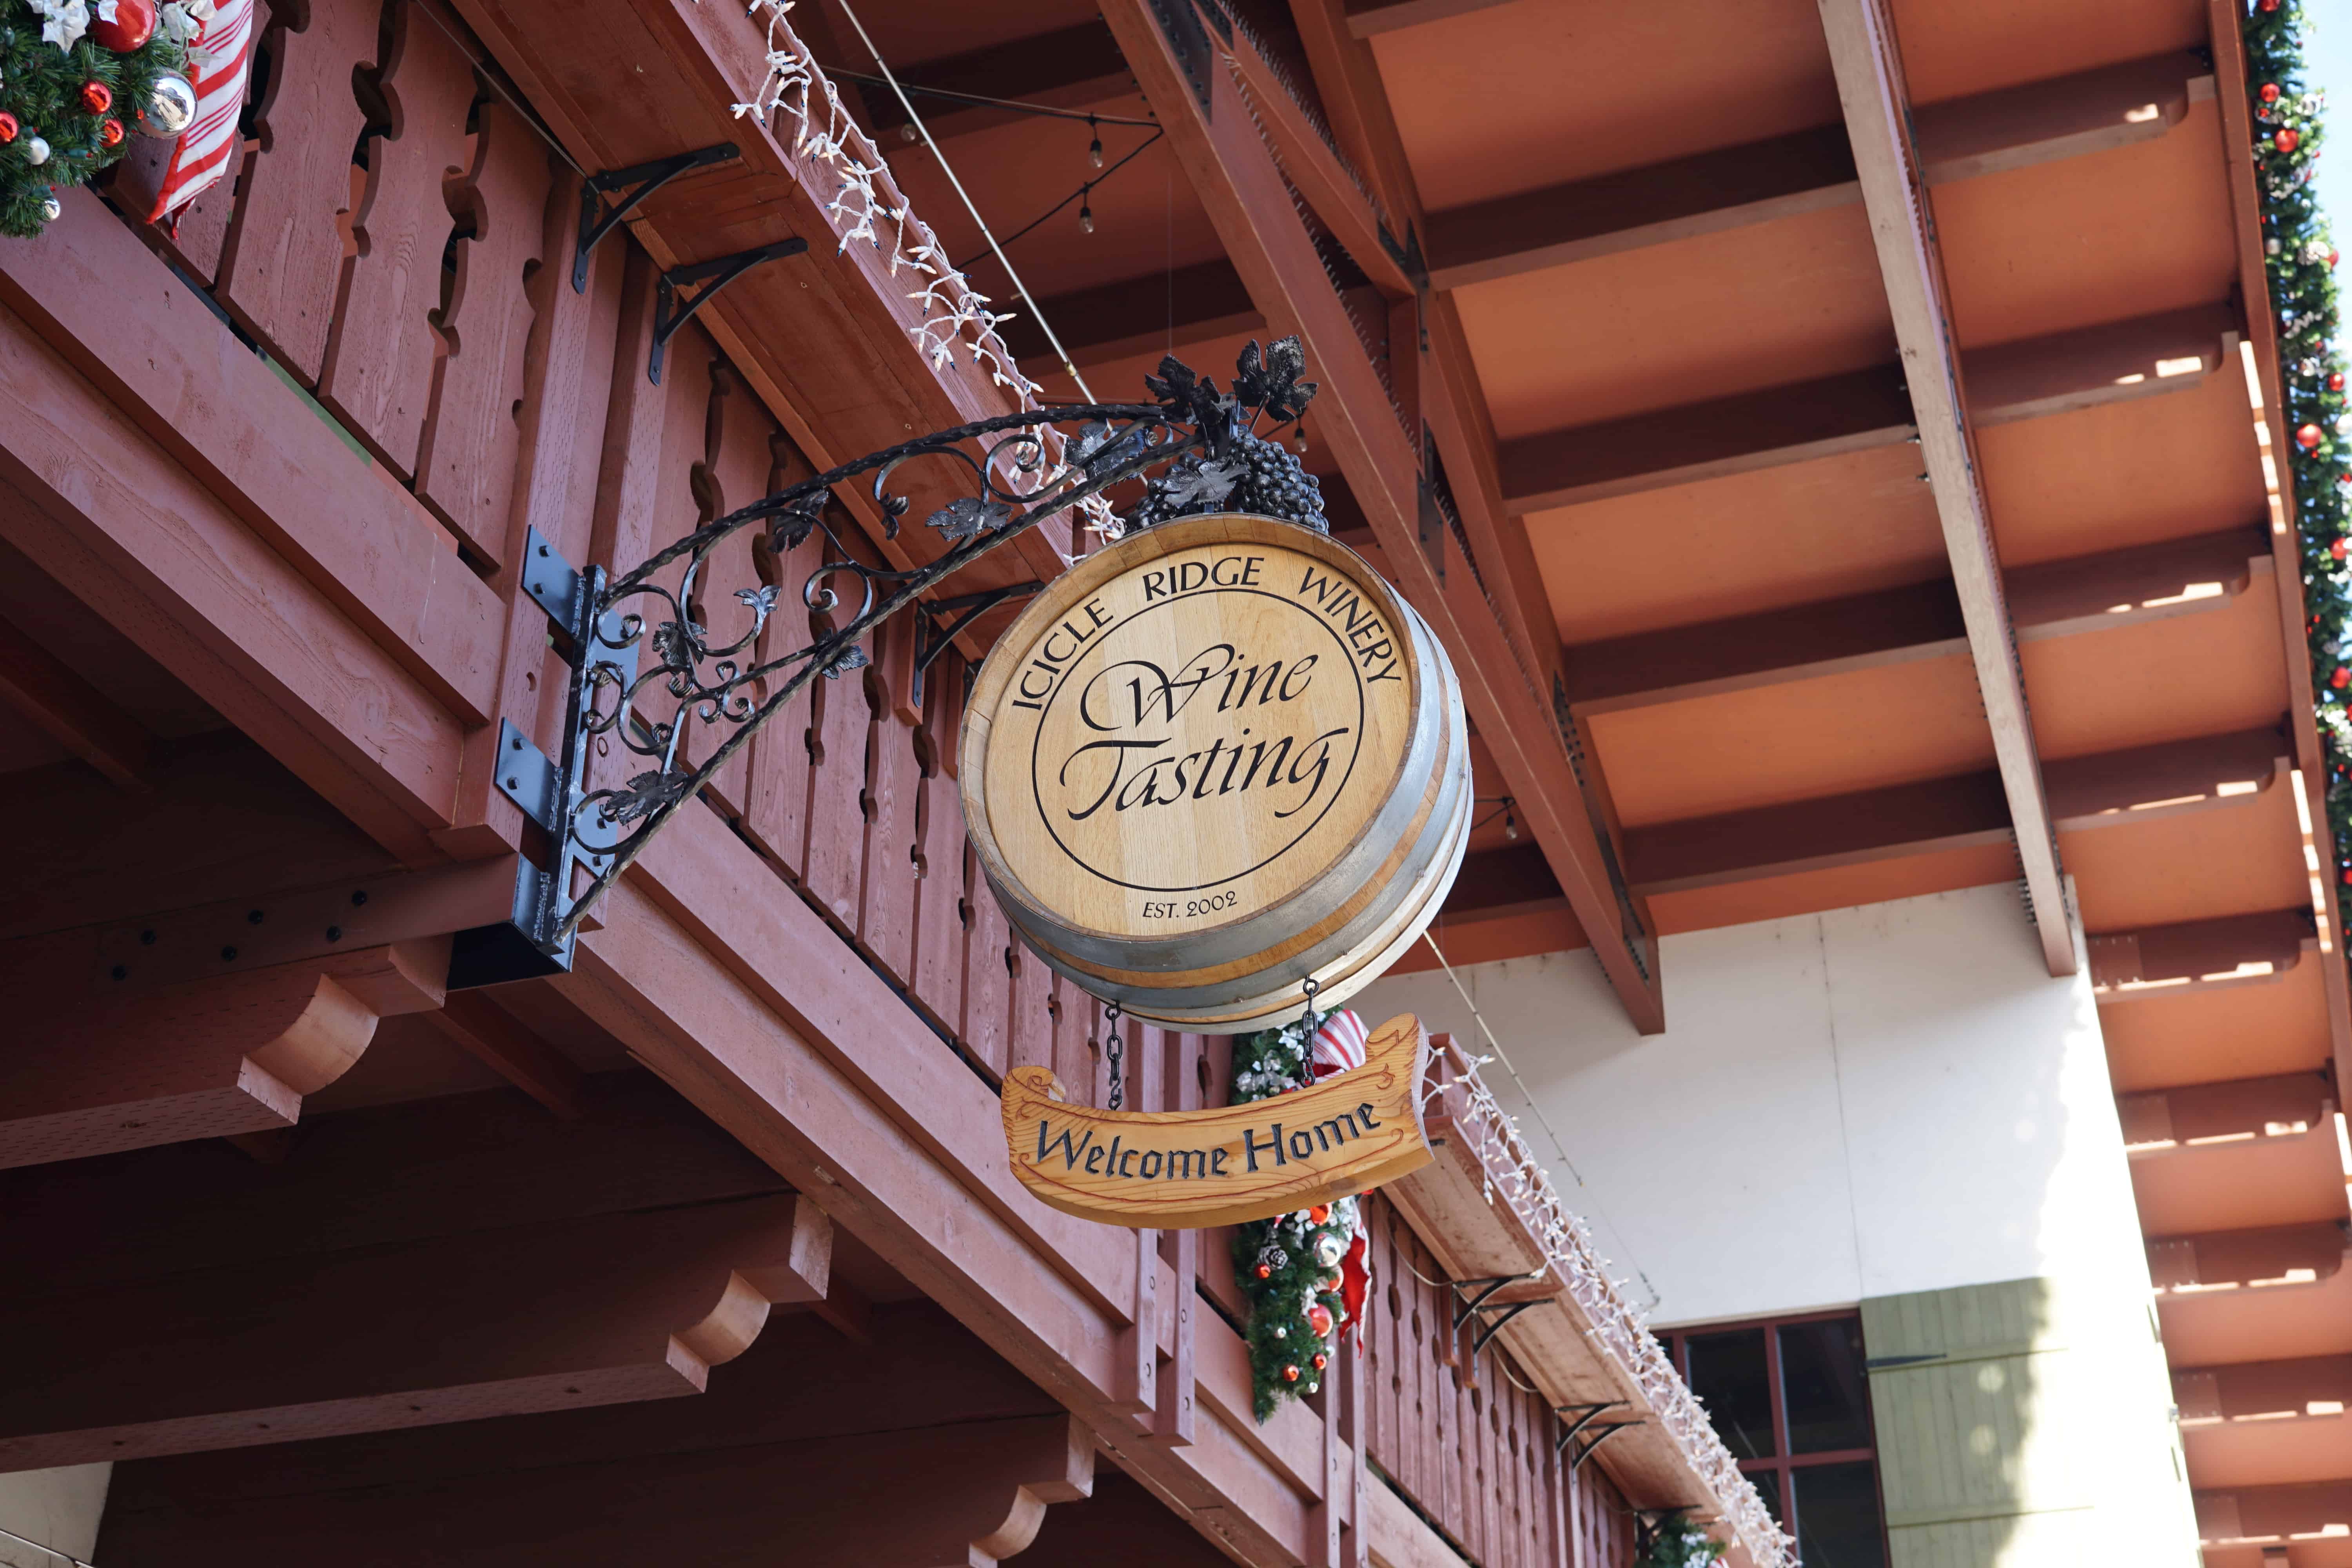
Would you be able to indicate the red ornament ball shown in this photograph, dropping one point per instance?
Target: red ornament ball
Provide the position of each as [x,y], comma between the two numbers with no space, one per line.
[134,25]
[2336,550]
[2270,4]
[1318,1318]
[2336,382]
[2347,876]
[1320,1214]
[1320,1360]
[1290,1374]
[2270,92]
[2341,678]
[2286,141]
[96,97]
[1265,1271]
[2309,437]
[111,134]
[7,128]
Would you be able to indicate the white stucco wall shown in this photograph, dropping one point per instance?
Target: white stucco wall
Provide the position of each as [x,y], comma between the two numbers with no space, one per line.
[1860,1103]
[59,1509]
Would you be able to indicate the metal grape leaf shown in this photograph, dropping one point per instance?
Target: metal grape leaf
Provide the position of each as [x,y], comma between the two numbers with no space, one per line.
[1195,481]
[643,795]
[1271,381]
[967,516]
[1183,393]
[789,529]
[759,601]
[853,659]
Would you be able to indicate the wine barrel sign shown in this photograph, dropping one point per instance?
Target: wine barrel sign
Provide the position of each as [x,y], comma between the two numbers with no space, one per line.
[1212,761]
[1191,1169]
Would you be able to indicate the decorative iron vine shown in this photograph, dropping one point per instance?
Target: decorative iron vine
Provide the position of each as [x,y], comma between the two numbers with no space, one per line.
[1204,442]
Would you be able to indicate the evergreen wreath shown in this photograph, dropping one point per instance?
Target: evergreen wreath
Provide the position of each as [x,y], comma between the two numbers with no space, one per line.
[77,78]
[1288,1267]
[2299,256]
[1674,1542]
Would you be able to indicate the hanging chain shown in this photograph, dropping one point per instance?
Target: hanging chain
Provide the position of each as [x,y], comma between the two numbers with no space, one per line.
[1113,1051]
[1313,1021]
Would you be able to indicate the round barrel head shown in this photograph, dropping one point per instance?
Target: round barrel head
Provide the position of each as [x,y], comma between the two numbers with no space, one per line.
[1190,727]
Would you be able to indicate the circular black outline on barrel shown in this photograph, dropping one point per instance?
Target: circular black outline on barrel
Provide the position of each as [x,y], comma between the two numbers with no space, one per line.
[1347,659]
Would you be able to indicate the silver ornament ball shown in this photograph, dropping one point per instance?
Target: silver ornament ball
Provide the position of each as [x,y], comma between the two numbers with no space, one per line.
[1328,1249]
[37,152]
[50,210]
[171,107]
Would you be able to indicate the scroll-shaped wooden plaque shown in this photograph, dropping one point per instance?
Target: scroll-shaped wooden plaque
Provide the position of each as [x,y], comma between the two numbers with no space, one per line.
[1186,1169]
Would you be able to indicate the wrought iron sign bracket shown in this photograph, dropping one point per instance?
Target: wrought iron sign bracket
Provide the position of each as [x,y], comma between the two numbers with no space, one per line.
[715,276]
[932,641]
[634,184]
[1598,1435]
[1470,1296]
[1586,1414]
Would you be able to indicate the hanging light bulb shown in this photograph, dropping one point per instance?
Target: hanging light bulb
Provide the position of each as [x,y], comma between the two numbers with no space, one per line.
[1094,148]
[1511,825]
[1086,216]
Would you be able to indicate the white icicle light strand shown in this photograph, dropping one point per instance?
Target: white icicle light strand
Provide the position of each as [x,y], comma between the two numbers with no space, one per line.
[865,202]
[1523,1183]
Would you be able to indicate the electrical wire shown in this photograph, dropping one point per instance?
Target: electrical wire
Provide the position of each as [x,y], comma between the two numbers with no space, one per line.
[492,76]
[1074,195]
[965,197]
[1558,1145]
[52,1551]
[976,98]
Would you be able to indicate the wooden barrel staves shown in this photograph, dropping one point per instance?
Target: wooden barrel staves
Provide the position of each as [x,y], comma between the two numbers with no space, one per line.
[1214,761]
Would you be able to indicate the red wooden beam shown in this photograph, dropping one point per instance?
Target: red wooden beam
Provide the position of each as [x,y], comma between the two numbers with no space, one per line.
[1076,67]
[494,1322]
[2256,1389]
[2227,950]
[1895,626]
[2288,1509]
[2277,1252]
[105,1063]
[1805,171]
[965,1495]
[2236,1108]
[45,689]
[490,1033]
[1862,410]
[1191,305]
[1868,64]
[1247,201]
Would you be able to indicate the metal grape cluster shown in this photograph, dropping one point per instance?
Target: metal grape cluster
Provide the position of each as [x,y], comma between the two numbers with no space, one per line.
[1202,442]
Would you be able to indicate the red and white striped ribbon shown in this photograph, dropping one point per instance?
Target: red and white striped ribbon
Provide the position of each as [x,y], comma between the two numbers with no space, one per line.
[219,61]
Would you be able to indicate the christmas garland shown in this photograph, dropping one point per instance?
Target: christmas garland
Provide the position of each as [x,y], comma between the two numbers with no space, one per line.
[1290,1267]
[1674,1542]
[2299,256]
[76,77]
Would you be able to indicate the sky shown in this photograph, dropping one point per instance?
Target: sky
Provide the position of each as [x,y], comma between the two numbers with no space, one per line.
[2327,64]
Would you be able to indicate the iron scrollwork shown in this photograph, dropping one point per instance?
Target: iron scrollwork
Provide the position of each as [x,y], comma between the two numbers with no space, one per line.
[1203,442]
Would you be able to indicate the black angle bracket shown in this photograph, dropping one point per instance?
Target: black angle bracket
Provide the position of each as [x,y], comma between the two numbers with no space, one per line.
[1586,1414]
[932,641]
[1470,1296]
[1593,1440]
[632,184]
[669,315]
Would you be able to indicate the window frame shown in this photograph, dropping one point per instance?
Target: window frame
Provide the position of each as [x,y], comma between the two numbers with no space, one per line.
[1782,1463]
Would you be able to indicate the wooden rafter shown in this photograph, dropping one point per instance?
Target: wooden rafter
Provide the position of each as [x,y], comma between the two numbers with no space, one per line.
[75,714]
[1504,687]
[1869,69]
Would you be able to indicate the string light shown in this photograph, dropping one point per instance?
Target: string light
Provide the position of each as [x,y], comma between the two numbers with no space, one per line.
[1094,148]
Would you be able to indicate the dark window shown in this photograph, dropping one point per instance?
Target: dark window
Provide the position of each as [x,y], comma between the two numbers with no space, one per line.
[1790,1399]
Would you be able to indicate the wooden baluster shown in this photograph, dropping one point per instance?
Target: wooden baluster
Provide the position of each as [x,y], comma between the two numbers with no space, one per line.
[192,238]
[1139,1353]
[1356,1429]
[938,922]
[1172,1418]
[1032,1038]
[378,373]
[885,908]
[837,748]
[777,814]
[737,461]
[282,266]
[987,979]
[467,459]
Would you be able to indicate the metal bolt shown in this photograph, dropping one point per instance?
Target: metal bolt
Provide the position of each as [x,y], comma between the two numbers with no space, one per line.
[359,898]
[120,973]
[512,784]
[334,933]
[253,917]
[146,939]
[228,955]
[515,744]
[543,550]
